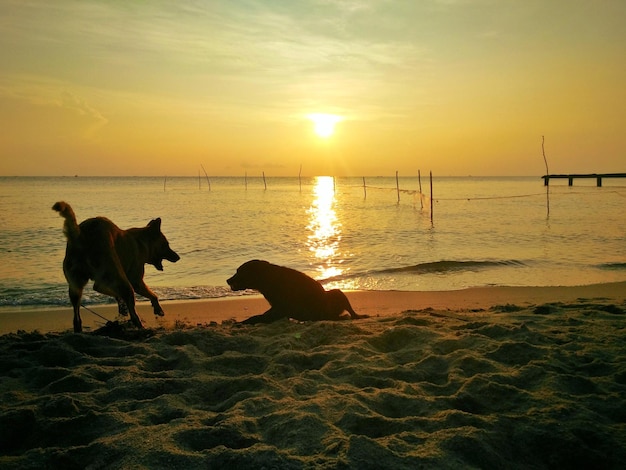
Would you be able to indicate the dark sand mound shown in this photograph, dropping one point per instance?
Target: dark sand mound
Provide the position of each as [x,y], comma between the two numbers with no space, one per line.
[539,387]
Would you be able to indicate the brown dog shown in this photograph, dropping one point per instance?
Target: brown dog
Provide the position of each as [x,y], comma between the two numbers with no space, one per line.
[291,294]
[114,258]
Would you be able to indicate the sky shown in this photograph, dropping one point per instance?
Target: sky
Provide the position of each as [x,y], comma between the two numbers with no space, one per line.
[456,87]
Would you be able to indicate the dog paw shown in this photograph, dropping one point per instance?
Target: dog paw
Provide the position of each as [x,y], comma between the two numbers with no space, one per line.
[122,308]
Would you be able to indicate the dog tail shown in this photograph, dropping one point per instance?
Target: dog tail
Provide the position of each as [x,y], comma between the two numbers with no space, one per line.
[70,227]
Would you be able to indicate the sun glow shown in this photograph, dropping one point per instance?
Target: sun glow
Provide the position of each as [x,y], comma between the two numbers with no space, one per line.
[324,124]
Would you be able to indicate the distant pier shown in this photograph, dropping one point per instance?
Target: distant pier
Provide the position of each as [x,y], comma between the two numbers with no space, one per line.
[571,177]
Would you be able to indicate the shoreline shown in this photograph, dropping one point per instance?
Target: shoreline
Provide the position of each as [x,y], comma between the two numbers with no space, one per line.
[199,312]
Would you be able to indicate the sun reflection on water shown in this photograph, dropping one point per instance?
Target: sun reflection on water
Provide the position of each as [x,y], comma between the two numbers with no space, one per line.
[325,228]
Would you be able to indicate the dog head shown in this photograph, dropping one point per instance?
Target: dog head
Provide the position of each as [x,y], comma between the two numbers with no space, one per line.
[248,275]
[159,247]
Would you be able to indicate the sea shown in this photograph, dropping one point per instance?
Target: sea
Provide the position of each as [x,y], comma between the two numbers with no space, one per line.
[353,233]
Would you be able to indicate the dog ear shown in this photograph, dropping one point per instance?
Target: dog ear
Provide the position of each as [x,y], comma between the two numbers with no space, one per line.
[155,224]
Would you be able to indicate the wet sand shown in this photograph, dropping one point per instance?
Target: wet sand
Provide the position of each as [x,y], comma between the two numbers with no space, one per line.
[373,303]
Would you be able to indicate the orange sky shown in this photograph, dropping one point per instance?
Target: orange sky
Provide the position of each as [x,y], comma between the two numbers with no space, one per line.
[454,86]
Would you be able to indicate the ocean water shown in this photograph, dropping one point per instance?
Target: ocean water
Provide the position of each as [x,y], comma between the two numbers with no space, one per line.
[483,231]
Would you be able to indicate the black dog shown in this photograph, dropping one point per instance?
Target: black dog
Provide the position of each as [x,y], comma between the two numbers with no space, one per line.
[114,258]
[291,294]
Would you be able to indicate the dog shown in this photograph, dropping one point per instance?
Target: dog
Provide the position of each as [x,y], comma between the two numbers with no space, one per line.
[114,258]
[291,294]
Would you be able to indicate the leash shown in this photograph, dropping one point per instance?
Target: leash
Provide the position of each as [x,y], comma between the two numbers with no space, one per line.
[95,313]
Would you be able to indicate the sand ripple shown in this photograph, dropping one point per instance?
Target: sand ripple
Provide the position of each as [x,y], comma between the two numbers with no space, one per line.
[506,388]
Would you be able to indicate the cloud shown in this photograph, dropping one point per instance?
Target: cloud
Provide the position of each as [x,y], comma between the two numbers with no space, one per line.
[95,120]
[47,100]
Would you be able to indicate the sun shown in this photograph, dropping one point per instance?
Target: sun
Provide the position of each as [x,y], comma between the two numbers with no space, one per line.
[324,124]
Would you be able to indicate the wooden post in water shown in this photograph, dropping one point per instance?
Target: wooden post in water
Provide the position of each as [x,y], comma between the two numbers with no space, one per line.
[419,180]
[207,176]
[264,182]
[431,197]
[397,186]
[300,177]
[364,189]
[199,180]
[164,182]
[245,180]
[547,180]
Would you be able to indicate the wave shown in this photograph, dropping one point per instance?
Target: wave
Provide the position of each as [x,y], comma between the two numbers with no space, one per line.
[613,266]
[435,267]
[56,295]
[449,266]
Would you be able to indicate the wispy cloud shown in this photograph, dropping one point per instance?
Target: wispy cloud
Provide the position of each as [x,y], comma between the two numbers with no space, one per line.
[93,118]
[27,92]
[240,54]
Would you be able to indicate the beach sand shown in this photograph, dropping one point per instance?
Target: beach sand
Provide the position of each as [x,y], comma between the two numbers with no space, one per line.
[478,378]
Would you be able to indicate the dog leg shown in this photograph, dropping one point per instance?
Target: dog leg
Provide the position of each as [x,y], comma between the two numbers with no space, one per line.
[123,293]
[142,289]
[122,309]
[75,296]
[337,302]
[254,320]
[156,306]
[128,297]
[270,316]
